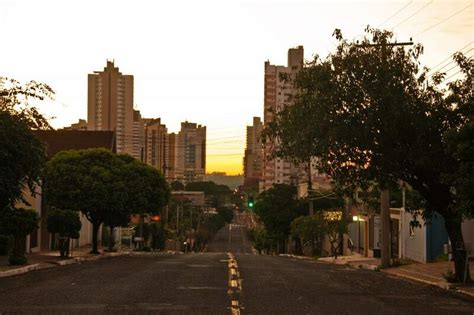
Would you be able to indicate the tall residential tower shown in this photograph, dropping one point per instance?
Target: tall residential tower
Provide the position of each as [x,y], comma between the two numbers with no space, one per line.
[253,158]
[110,107]
[187,153]
[277,94]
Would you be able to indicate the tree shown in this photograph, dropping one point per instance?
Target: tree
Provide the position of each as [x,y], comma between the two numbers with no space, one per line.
[22,154]
[460,145]
[84,180]
[309,229]
[296,143]
[16,98]
[384,123]
[335,230]
[146,185]
[147,188]
[215,194]
[65,223]
[18,223]
[277,207]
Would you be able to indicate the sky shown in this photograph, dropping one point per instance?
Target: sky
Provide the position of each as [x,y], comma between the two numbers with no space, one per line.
[203,61]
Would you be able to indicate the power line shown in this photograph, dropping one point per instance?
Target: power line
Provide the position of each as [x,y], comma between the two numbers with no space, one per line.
[396,13]
[450,56]
[446,79]
[415,13]
[442,21]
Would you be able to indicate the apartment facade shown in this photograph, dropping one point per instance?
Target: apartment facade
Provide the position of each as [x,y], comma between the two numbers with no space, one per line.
[156,145]
[277,94]
[110,108]
[187,153]
[253,157]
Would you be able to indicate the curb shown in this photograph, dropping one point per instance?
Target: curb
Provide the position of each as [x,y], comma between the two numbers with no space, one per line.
[441,284]
[297,257]
[19,271]
[50,264]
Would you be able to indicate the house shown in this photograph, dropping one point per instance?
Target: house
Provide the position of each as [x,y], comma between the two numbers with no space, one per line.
[56,141]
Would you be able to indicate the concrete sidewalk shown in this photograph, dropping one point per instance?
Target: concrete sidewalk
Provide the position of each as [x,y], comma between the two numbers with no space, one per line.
[429,273]
[49,259]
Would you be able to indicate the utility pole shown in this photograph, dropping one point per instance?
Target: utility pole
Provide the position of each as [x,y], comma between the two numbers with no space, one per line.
[384,193]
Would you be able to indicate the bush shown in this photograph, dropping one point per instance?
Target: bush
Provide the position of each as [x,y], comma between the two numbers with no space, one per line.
[450,277]
[4,245]
[17,260]
[18,222]
[66,224]
[261,240]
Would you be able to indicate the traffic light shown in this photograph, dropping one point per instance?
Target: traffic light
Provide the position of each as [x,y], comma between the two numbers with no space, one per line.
[250,202]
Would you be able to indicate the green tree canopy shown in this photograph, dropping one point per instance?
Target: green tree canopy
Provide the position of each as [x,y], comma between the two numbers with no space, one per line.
[384,120]
[215,194]
[22,156]
[107,188]
[18,223]
[146,185]
[86,181]
[67,224]
[277,207]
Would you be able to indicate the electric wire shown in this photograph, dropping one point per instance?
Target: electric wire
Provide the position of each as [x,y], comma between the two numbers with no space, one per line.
[444,20]
[396,13]
[412,15]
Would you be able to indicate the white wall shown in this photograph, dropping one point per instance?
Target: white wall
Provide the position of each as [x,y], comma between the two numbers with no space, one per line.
[468,232]
[85,235]
[413,246]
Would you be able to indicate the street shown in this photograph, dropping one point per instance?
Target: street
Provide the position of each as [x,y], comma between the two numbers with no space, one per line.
[200,283]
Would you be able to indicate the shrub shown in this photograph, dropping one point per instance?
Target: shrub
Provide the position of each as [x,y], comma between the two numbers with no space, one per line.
[18,222]
[17,260]
[66,224]
[4,245]
[450,276]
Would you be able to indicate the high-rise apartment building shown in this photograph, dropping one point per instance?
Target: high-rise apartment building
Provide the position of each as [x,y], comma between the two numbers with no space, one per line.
[156,145]
[253,158]
[171,153]
[110,107]
[277,94]
[187,153]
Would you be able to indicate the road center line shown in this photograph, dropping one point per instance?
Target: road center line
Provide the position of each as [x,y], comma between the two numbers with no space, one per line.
[235,285]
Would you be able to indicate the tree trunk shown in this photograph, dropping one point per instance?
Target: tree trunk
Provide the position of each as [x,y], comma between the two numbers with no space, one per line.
[310,188]
[385,218]
[453,227]
[62,246]
[68,243]
[111,238]
[95,232]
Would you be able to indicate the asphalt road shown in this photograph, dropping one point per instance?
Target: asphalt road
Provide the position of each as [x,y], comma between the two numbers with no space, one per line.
[210,283]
